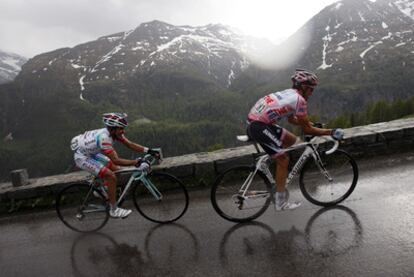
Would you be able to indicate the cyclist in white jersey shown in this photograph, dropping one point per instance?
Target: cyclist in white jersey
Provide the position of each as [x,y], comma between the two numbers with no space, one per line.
[94,153]
[263,128]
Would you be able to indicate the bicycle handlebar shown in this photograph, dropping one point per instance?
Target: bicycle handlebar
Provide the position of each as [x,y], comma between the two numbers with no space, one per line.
[151,159]
[328,138]
[148,158]
[333,149]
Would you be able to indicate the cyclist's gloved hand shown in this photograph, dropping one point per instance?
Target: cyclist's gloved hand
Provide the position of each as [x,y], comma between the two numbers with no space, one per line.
[337,133]
[143,165]
[138,162]
[154,152]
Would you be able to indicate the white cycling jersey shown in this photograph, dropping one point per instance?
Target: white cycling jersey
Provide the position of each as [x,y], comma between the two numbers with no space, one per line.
[90,148]
[93,142]
[275,106]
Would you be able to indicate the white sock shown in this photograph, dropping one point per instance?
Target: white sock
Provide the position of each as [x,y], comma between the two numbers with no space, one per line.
[280,196]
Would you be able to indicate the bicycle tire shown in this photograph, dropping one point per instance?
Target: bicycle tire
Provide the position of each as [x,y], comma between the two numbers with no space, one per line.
[344,234]
[318,190]
[225,196]
[171,207]
[70,211]
[254,237]
[161,248]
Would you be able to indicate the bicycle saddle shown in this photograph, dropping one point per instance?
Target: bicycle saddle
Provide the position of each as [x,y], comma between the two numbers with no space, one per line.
[244,138]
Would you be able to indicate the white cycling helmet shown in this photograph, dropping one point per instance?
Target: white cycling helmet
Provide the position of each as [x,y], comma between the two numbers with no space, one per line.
[115,120]
[304,77]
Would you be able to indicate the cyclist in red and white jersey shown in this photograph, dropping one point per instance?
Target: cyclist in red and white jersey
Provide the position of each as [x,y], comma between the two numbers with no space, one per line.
[263,119]
[95,154]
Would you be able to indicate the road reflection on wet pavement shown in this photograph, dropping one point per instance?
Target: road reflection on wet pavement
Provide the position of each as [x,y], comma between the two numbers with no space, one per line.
[369,234]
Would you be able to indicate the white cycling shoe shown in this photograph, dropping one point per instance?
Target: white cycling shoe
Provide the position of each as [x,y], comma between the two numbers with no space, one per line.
[282,204]
[285,205]
[119,213]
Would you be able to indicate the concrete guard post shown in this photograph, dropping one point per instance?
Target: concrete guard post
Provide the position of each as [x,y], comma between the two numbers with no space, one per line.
[19,177]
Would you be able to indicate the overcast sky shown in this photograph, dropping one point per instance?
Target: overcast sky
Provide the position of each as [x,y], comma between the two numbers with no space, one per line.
[31,27]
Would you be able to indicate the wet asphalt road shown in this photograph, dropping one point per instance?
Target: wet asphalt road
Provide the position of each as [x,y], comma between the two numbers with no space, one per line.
[370,234]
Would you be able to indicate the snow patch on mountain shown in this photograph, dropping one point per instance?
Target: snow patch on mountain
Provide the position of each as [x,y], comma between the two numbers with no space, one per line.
[219,50]
[10,66]
[406,7]
[13,63]
[369,48]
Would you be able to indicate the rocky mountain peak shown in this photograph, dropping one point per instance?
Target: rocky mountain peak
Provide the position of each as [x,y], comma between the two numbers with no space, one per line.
[10,66]
[355,31]
[214,52]
[405,6]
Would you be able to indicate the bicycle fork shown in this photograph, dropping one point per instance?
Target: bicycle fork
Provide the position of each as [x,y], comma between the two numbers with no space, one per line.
[146,182]
[152,189]
[321,166]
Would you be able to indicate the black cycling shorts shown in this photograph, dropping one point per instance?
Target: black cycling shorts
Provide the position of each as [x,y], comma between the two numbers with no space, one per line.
[270,137]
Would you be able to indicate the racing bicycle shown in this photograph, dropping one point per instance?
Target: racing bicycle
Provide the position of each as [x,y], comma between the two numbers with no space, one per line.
[158,196]
[326,178]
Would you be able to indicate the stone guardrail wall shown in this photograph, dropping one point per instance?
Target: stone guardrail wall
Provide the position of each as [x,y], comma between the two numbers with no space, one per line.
[362,141]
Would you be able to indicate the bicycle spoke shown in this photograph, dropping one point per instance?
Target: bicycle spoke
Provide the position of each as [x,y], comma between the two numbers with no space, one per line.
[235,204]
[320,190]
[80,210]
[162,198]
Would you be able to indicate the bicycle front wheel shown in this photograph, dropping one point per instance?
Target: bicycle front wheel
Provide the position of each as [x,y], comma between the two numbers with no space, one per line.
[81,208]
[232,202]
[332,186]
[167,207]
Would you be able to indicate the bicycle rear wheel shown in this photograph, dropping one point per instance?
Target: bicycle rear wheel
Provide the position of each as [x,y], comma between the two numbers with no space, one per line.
[173,202]
[318,189]
[82,209]
[228,199]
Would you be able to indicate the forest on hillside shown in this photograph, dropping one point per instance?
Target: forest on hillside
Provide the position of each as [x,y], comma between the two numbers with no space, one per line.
[51,154]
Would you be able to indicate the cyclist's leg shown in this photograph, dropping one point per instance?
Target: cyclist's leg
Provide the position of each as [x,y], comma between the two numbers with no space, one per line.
[282,160]
[282,170]
[97,166]
[273,139]
[108,176]
[107,173]
[88,164]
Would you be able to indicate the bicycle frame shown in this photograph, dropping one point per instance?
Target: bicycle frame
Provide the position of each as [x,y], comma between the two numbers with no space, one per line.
[138,175]
[310,150]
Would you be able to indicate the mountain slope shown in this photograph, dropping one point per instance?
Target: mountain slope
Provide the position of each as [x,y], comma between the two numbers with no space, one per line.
[189,88]
[361,50]
[10,66]
[214,53]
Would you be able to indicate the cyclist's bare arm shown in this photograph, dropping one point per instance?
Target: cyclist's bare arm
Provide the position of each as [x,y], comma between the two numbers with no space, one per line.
[119,161]
[293,120]
[132,145]
[304,122]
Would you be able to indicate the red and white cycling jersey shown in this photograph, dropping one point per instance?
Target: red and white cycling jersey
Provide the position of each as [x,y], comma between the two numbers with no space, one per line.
[93,142]
[277,105]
